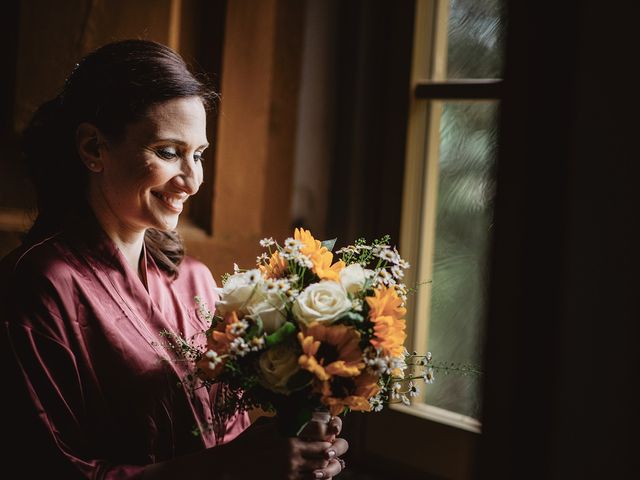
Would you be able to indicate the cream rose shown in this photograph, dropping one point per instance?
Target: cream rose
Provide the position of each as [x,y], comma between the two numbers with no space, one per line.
[277,365]
[271,311]
[353,277]
[322,302]
[240,292]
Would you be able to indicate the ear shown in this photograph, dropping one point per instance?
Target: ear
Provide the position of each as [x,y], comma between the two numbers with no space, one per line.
[89,143]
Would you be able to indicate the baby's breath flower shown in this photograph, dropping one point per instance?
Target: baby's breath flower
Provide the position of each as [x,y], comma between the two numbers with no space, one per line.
[267,242]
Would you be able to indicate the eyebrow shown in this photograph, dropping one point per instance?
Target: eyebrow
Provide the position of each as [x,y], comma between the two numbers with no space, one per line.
[178,142]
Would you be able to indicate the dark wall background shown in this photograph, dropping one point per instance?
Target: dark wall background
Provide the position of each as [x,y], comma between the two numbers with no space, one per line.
[561,354]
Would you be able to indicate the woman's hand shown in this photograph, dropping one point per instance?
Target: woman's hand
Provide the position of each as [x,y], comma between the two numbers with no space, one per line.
[261,452]
[339,447]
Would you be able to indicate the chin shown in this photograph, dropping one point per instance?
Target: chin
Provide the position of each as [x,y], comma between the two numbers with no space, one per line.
[165,225]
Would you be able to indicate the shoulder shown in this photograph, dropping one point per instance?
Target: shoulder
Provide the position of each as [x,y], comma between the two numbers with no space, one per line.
[48,259]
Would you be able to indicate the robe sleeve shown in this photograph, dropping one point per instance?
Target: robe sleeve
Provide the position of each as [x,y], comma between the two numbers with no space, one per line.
[46,395]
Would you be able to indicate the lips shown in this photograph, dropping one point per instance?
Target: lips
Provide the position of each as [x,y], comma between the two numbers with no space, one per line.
[171,201]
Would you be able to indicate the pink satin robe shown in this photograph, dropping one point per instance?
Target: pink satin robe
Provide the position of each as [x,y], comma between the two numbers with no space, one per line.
[82,334]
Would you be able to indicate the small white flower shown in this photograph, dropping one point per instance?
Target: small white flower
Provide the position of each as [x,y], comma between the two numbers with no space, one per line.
[239,327]
[404,264]
[236,268]
[357,304]
[388,256]
[304,261]
[267,242]
[257,343]
[239,347]
[262,258]
[395,391]
[283,285]
[427,376]
[405,400]
[254,276]
[270,285]
[292,243]
[413,390]
[376,403]
[397,272]
[378,366]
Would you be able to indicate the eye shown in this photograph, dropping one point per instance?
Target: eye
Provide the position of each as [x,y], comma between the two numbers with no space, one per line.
[198,156]
[167,153]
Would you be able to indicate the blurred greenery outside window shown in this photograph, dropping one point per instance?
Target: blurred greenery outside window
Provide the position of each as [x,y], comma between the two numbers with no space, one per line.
[449,191]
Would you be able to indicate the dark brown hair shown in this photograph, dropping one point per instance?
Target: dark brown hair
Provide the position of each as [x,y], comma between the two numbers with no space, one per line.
[110,88]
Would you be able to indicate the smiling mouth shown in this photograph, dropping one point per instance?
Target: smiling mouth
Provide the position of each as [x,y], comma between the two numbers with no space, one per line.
[172,202]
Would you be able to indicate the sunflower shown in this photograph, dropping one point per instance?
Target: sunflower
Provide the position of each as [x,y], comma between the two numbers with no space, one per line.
[320,256]
[352,392]
[330,350]
[386,312]
[276,267]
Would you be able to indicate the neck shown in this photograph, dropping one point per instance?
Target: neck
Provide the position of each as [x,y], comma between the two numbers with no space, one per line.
[129,240]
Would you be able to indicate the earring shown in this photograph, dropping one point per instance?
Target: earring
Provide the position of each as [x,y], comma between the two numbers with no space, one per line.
[92,165]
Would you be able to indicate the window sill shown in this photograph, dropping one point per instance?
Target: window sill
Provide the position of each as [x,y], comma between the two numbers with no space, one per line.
[440,415]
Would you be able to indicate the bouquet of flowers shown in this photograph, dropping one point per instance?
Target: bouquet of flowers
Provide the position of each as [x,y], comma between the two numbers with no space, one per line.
[302,332]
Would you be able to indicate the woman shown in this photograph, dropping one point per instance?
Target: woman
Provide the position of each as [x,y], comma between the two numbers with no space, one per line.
[113,158]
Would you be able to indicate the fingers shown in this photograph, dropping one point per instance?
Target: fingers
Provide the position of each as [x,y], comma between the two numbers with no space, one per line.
[337,449]
[311,449]
[334,468]
[335,426]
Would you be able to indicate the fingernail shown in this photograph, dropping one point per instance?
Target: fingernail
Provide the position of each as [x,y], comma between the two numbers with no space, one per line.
[331,453]
[318,474]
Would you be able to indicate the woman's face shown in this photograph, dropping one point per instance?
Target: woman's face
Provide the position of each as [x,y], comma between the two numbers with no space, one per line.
[147,176]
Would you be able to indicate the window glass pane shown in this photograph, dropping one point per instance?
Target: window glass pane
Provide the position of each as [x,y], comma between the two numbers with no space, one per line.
[463,227]
[475,39]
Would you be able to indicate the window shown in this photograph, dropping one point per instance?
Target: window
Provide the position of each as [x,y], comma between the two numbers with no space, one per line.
[449,186]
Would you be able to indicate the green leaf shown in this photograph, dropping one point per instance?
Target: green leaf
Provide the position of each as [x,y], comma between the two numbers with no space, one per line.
[329,244]
[281,334]
[256,329]
[351,317]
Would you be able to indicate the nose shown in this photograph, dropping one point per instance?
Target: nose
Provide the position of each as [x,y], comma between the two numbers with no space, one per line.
[190,177]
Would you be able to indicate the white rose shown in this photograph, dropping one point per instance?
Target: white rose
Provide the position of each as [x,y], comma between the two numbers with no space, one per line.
[270,311]
[352,278]
[240,292]
[322,302]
